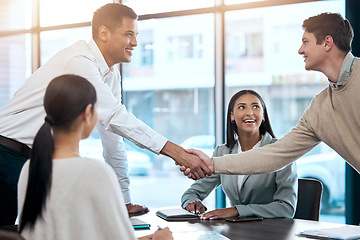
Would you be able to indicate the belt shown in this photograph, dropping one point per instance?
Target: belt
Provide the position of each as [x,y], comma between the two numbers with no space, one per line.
[19,147]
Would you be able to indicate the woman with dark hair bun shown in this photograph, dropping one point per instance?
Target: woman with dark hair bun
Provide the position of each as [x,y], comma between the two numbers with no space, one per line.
[62,195]
[269,195]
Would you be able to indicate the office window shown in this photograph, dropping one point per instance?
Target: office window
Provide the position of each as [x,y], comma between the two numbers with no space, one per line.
[147,54]
[185,47]
[267,61]
[15,64]
[229,2]
[54,12]
[158,6]
[170,83]
[244,44]
[173,96]
[53,41]
[15,14]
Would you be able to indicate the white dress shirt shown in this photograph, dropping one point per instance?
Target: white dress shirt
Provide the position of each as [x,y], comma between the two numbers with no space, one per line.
[23,115]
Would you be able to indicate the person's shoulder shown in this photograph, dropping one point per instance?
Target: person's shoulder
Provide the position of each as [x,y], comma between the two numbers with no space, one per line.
[93,163]
[221,150]
[321,96]
[221,146]
[80,45]
[82,49]
[267,139]
[74,48]
[99,168]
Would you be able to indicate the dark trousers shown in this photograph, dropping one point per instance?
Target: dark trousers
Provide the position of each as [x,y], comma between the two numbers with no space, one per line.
[11,163]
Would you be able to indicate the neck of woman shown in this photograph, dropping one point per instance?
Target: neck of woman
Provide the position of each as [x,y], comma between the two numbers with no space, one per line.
[248,141]
[66,145]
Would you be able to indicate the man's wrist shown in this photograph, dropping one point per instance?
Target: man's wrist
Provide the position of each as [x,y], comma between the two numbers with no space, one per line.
[169,149]
[212,165]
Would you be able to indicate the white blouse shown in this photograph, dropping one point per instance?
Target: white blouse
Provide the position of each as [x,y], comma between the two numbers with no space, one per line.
[241,177]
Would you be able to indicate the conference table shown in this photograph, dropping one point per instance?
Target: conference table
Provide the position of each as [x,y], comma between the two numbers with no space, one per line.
[274,229]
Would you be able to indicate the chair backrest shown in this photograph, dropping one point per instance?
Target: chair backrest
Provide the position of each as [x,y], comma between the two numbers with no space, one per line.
[309,199]
[10,235]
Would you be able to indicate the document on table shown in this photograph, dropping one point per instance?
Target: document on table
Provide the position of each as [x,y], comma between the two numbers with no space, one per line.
[199,235]
[176,214]
[347,232]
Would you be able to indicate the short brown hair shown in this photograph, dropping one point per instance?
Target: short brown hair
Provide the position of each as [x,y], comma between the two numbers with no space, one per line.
[332,24]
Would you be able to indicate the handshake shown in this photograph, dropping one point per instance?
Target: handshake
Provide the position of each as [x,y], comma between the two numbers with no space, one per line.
[195,164]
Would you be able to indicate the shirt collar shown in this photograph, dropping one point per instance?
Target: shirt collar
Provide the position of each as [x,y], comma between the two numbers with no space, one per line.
[345,71]
[99,58]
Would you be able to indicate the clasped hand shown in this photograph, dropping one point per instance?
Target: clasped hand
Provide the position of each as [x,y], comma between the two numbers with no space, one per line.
[195,164]
[201,165]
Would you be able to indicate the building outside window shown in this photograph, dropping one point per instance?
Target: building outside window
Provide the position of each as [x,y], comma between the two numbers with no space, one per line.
[171,85]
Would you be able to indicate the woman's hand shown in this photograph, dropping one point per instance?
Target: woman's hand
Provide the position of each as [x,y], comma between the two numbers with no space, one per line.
[195,207]
[162,234]
[221,213]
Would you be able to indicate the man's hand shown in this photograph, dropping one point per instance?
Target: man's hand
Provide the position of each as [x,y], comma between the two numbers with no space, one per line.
[221,213]
[136,209]
[196,207]
[209,162]
[197,167]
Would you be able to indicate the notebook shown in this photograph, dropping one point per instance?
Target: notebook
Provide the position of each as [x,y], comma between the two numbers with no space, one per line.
[199,235]
[347,232]
[176,214]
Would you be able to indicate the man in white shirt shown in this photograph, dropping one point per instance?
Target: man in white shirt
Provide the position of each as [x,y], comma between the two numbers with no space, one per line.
[114,29]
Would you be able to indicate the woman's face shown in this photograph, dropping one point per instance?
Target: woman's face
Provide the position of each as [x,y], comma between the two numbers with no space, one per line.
[248,114]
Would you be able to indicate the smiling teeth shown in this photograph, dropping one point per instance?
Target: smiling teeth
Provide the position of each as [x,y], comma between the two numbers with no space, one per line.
[249,121]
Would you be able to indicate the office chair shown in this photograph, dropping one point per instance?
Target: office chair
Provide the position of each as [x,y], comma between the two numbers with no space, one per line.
[10,235]
[309,199]
[10,232]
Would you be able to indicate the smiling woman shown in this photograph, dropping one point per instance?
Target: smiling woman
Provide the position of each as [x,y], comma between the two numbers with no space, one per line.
[264,195]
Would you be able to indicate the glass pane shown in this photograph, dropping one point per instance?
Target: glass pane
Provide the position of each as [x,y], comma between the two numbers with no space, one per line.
[54,12]
[157,6]
[56,40]
[262,54]
[15,14]
[169,85]
[229,2]
[15,64]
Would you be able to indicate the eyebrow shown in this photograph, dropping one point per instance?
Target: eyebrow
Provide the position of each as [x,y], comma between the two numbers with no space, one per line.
[254,103]
[132,32]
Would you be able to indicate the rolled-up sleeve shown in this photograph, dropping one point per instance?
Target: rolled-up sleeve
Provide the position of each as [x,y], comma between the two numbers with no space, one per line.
[113,115]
